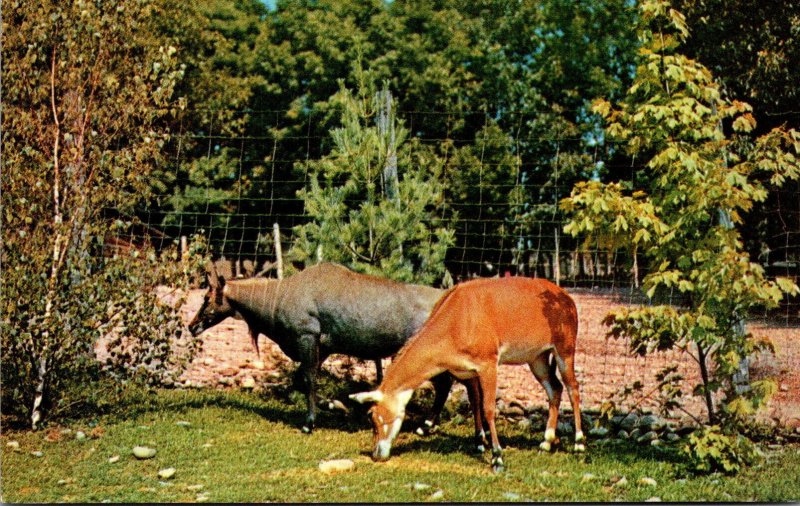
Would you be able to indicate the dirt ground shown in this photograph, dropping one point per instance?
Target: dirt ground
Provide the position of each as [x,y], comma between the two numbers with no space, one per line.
[603,366]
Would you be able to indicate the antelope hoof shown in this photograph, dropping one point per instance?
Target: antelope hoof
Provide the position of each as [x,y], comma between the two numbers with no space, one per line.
[497,465]
[545,446]
[306,429]
[420,432]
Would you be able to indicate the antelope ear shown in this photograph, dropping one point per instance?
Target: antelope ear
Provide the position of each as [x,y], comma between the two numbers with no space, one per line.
[362,397]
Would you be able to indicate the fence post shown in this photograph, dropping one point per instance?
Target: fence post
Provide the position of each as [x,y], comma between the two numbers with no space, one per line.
[276,232]
[556,261]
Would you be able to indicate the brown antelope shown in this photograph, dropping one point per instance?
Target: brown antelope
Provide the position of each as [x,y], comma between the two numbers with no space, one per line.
[326,309]
[473,328]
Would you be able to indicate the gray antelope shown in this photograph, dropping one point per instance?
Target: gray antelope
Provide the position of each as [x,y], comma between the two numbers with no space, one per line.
[327,309]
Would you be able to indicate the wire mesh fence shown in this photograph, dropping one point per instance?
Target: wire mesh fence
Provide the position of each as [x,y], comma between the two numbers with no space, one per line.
[233,188]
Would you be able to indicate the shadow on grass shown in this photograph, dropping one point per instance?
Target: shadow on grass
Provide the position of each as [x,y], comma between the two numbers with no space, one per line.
[622,452]
[281,403]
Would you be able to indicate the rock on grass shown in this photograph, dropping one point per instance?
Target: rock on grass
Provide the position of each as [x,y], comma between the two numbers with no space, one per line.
[143,452]
[336,466]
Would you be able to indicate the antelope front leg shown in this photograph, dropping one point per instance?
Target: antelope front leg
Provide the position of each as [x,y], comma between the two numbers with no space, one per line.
[476,402]
[310,365]
[488,386]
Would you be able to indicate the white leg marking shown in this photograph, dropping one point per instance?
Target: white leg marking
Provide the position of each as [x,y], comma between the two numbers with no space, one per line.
[549,437]
[579,438]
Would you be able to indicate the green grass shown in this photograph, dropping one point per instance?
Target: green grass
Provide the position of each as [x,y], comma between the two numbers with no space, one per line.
[254,453]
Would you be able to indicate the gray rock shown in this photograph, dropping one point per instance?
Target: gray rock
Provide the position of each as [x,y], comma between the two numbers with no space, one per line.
[13,445]
[599,432]
[114,459]
[623,434]
[647,436]
[653,499]
[511,496]
[421,486]
[671,437]
[629,422]
[651,422]
[436,495]
[616,420]
[565,428]
[648,481]
[635,433]
[80,435]
[37,454]
[620,482]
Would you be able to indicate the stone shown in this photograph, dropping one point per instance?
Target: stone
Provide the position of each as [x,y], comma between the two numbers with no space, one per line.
[598,432]
[620,482]
[656,442]
[565,428]
[143,452]
[183,423]
[166,473]
[629,422]
[194,488]
[648,436]
[671,437]
[514,411]
[259,364]
[653,499]
[113,459]
[208,361]
[436,495]
[616,420]
[228,371]
[651,423]
[525,423]
[336,466]
[420,486]
[648,481]
[511,496]
[14,445]
[623,434]
[80,435]
[635,433]
[37,454]
[588,477]
[248,382]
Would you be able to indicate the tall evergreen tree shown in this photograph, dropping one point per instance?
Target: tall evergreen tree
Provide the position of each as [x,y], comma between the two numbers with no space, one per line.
[376,200]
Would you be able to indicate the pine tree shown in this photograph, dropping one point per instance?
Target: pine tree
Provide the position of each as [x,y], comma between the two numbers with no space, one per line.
[376,200]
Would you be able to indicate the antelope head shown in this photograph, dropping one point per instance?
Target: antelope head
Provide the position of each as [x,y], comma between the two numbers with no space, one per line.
[387,418]
[215,306]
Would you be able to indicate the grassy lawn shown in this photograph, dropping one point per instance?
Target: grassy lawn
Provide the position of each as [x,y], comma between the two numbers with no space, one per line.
[243,447]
